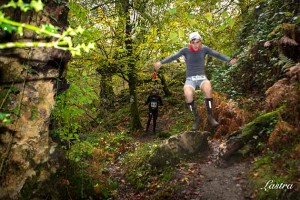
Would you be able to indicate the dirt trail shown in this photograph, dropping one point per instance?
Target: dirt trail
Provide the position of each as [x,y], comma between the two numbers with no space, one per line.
[223,181]
[207,179]
[200,178]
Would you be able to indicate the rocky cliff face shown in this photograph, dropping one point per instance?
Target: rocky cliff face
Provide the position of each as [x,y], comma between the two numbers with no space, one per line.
[28,79]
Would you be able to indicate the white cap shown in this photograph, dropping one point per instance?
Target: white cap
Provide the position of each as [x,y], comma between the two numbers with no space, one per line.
[195,35]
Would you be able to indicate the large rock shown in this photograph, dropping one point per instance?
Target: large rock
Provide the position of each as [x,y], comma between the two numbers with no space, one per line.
[28,86]
[250,134]
[171,150]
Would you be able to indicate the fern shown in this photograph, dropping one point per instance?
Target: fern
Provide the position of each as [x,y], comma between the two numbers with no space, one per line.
[285,62]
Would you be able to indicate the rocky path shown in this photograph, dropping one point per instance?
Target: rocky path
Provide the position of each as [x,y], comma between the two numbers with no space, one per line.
[225,181]
[209,179]
[201,178]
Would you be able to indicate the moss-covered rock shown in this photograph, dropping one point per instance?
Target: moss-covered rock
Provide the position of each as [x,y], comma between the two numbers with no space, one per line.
[253,132]
[179,146]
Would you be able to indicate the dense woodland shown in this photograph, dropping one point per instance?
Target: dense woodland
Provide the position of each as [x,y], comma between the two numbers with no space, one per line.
[75,75]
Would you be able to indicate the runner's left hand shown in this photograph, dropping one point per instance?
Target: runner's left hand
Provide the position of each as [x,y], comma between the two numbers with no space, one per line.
[233,61]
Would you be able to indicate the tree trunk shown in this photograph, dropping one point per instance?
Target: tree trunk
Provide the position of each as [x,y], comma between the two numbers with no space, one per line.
[132,76]
[27,89]
[165,85]
[106,91]
[135,116]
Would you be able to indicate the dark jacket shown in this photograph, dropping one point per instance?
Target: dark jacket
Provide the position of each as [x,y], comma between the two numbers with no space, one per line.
[154,101]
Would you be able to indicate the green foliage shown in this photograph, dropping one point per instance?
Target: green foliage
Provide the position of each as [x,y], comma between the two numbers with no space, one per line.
[36,5]
[69,111]
[258,67]
[86,173]
[5,117]
[263,18]
[63,41]
[164,134]
[261,127]
[81,151]
[95,154]
[139,171]
[268,167]
[285,62]
[110,120]
[278,161]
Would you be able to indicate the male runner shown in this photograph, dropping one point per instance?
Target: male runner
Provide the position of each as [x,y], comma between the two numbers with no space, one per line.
[195,74]
[154,101]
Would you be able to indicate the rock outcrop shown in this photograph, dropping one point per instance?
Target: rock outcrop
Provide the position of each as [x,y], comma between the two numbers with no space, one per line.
[179,146]
[28,78]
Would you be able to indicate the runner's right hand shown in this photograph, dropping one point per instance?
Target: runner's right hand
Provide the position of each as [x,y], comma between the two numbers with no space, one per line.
[157,65]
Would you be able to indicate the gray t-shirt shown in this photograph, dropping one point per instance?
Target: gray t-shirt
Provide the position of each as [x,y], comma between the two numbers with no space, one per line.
[195,60]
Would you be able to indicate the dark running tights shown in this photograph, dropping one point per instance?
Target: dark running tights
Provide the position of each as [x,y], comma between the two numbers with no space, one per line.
[153,115]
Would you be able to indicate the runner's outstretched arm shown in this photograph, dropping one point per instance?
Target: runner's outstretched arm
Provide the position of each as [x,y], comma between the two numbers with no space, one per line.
[169,59]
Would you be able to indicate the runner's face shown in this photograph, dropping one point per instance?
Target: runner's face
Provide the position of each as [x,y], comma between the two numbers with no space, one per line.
[196,44]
